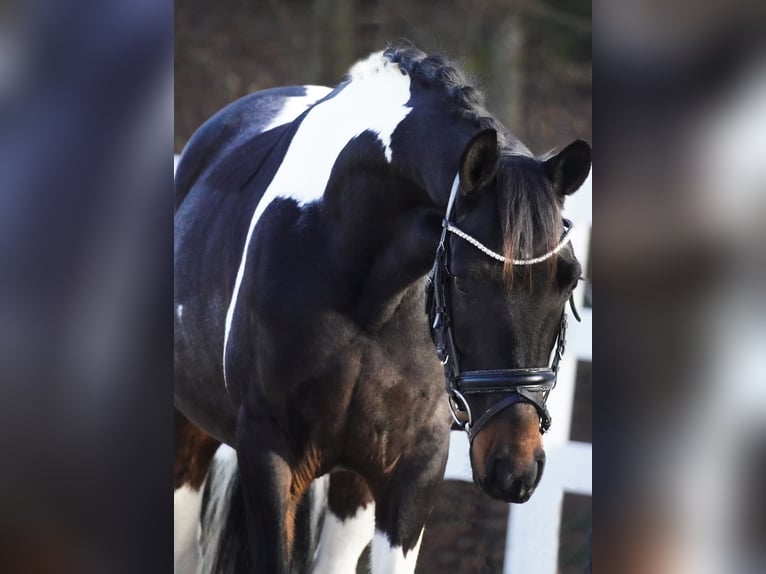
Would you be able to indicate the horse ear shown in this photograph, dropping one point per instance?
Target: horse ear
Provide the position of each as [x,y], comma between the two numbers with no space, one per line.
[568,169]
[478,163]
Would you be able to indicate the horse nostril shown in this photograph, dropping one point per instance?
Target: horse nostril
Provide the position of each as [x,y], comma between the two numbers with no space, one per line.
[503,473]
[511,484]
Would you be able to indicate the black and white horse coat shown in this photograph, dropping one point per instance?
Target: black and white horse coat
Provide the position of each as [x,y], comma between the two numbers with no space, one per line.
[306,220]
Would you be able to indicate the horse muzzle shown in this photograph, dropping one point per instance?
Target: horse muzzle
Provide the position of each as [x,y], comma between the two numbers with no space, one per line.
[510,482]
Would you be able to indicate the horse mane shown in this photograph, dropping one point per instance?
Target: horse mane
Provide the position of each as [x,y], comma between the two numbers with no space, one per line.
[439,73]
[530,212]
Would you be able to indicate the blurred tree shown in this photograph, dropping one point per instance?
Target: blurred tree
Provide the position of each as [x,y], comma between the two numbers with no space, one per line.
[533,57]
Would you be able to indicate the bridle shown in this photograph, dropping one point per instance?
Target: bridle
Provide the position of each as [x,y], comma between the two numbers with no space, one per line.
[531,385]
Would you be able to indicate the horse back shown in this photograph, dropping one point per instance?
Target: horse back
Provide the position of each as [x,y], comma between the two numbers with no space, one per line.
[234,126]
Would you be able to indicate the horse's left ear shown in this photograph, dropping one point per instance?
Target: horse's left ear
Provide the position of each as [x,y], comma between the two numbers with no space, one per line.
[569,168]
[478,163]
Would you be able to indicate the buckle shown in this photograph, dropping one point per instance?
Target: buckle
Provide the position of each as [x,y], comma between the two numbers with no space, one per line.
[459,409]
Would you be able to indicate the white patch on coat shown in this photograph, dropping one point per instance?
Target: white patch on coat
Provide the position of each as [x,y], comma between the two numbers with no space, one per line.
[342,541]
[186,551]
[180,312]
[387,559]
[295,106]
[373,65]
[319,490]
[375,102]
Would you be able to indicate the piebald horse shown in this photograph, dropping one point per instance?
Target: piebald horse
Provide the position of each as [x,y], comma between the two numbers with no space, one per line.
[356,269]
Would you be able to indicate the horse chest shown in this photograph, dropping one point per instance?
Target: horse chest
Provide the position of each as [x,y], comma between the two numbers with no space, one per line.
[379,387]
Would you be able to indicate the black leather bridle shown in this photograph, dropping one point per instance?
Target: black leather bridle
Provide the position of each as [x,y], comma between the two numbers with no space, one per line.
[531,385]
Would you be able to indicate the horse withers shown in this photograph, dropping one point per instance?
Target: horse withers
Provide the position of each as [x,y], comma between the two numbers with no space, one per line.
[313,228]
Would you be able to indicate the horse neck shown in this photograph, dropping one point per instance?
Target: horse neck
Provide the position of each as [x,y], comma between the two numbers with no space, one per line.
[384,233]
[385,216]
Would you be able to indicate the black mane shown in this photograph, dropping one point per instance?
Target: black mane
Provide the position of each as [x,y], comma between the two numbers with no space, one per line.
[436,71]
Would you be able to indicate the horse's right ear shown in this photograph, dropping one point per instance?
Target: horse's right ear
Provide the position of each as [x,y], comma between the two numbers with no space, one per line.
[478,163]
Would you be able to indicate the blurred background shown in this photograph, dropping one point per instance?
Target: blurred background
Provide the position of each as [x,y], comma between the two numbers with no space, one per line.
[680,204]
[532,58]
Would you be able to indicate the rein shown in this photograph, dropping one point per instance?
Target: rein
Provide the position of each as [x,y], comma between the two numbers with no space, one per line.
[531,384]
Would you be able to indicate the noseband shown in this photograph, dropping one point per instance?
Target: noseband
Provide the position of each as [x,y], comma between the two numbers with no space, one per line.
[531,385]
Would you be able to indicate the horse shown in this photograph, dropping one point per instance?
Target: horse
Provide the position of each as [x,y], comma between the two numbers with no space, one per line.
[358,270]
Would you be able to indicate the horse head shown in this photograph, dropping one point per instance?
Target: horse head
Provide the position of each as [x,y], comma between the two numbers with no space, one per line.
[503,274]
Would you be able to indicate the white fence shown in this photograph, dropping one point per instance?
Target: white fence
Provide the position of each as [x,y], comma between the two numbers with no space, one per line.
[532,539]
